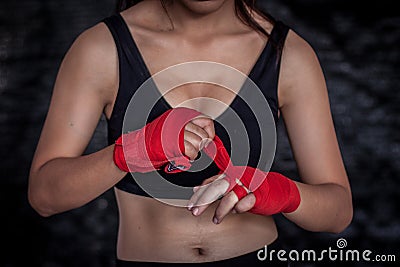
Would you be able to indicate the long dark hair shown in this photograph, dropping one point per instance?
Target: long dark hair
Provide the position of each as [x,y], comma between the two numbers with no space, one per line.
[242,8]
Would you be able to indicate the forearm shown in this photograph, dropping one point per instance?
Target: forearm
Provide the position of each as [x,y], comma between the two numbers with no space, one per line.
[323,208]
[66,183]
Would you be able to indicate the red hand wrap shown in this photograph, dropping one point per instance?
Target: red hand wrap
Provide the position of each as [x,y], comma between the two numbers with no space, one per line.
[274,192]
[157,143]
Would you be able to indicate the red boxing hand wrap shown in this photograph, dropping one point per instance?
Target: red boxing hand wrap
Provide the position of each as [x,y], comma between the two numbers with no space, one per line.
[157,143]
[119,157]
[276,194]
[273,191]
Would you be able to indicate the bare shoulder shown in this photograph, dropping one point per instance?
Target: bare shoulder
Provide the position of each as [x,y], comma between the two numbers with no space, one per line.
[299,67]
[92,58]
[95,43]
[296,50]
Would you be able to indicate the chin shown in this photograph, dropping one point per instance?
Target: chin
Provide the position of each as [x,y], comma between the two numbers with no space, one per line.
[203,7]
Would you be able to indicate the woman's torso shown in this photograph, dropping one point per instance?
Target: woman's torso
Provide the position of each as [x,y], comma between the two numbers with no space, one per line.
[150,230]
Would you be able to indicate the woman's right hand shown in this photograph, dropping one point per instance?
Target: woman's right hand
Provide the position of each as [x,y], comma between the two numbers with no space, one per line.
[198,133]
[175,137]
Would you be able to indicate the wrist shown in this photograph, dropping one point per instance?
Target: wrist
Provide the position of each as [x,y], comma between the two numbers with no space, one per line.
[284,191]
[118,156]
[294,198]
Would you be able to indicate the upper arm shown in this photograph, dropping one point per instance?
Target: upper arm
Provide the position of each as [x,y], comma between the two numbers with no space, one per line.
[84,85]
[305,108]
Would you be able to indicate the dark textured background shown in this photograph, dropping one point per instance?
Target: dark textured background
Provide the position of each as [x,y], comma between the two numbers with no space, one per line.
[358,46]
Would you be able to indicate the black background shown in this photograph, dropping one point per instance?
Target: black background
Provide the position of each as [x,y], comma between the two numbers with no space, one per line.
[358,45]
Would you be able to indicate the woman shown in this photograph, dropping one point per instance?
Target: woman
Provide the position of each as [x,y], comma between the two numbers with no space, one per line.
[97,76]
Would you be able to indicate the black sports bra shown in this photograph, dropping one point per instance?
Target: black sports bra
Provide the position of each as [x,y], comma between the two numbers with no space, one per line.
[133,73]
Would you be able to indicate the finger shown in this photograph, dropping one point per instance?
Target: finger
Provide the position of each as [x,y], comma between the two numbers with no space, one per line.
[190,150]
[197,192]
[226,205]
[202,188]
[197,211]
[212,179]
[199,134]
[210,130]
[207,124]
[198,198]
[209,180]
[211,193]
[196,188]
[245,204]
[194,139]
[191,127]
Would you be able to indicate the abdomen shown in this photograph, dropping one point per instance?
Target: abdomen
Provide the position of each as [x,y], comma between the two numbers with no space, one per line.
[153,231]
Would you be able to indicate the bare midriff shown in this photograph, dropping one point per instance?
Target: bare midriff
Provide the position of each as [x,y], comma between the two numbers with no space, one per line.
[150,230]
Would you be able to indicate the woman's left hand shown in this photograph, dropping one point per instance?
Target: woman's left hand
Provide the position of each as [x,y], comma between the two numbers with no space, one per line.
[213,189]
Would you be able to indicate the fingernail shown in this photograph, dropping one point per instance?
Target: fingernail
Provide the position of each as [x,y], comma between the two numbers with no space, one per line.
[204,143]
[190,206]
[215,220]
[195,211]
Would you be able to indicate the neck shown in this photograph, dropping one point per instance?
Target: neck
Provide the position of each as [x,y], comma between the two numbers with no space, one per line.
[202,21]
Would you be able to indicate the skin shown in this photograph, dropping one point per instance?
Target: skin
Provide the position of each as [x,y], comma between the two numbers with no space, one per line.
[62,179]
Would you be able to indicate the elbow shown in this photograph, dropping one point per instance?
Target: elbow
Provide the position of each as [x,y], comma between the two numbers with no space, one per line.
[40,204]
[38,197]
[344,213]
[344,221]
[340,227]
